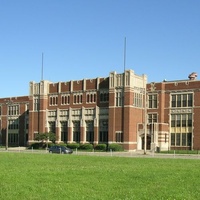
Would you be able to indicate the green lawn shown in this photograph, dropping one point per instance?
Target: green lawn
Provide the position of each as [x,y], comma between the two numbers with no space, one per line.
[50,176]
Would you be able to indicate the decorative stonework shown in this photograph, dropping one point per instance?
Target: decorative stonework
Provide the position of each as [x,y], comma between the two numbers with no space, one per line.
[153,87]
[181,110]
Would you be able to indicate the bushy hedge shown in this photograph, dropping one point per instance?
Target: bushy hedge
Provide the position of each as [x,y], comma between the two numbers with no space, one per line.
[101,147]
[115,147]
[36,145]
[73,145]
[62,144]
[86,146]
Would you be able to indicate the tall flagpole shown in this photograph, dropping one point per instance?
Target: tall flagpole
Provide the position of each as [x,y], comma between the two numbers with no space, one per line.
[123,93]
[124,54]
[42,67]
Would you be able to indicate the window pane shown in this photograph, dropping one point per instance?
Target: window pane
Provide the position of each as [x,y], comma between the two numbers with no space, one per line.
[189,139]
[172,139]
[178,139]
[184,100]
[173,100]
[178,121]
[190,99]
[173,121]
[183,120]
[183,139]
[190,120]
[179,100]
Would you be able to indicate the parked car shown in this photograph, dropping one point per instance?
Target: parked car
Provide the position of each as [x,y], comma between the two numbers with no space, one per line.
[60,149]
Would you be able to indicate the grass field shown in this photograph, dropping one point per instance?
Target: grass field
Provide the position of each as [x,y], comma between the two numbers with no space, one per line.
[47,176]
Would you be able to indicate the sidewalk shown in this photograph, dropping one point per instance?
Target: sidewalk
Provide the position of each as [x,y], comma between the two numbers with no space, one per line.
[133,154]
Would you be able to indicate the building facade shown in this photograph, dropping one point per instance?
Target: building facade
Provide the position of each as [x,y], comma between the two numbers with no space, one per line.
[122,108]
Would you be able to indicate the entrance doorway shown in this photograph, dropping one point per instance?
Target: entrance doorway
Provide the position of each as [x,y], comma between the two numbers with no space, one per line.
[148,143]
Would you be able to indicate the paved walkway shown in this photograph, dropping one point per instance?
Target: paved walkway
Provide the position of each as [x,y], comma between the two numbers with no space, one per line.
[139,153]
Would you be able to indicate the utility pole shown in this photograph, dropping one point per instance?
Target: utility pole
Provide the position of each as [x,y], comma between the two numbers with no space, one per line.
[145,121]
[8,103]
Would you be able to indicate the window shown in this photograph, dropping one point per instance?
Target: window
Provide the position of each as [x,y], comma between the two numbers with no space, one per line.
[53,100]
[152,100]
[13,110]
[181,120]
[179,127]
[13,124]
[173,121]
[52,115]
[173,139]
[138,99]
[90,131]
[64,131]
[65,99]
[13,138]
[76,131]
[52,127]
[118,98]
[184,139]
[36,103]
[152,118]
[181,139]
[181,100]
[91,97]
[103,131]
[64,113]
[119,137]
[78,98]
[178,139]
[89,112]
[76,113]
[178,120]
[104,96]
[189,120]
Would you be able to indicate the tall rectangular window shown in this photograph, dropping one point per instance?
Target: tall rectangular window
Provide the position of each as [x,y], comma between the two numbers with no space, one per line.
[138,99]
[103,131]
[152,100]
[36,103]
[52,127]
[90,131]
[118,98]
[172,139]
[76,131]
[180,124]
[64,131]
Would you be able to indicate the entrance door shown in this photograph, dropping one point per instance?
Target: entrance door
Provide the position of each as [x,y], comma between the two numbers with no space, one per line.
[148,145]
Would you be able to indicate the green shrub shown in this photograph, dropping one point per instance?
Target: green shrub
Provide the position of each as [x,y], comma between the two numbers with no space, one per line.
[36,145]
[115,147]
[73,145]
[62,144]
[86,146]
[101,147]
[50,144]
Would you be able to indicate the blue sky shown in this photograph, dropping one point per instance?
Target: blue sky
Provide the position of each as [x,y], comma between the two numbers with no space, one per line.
[85,39]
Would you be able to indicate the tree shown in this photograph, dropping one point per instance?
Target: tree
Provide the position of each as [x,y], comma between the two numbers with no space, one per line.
[45,137]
